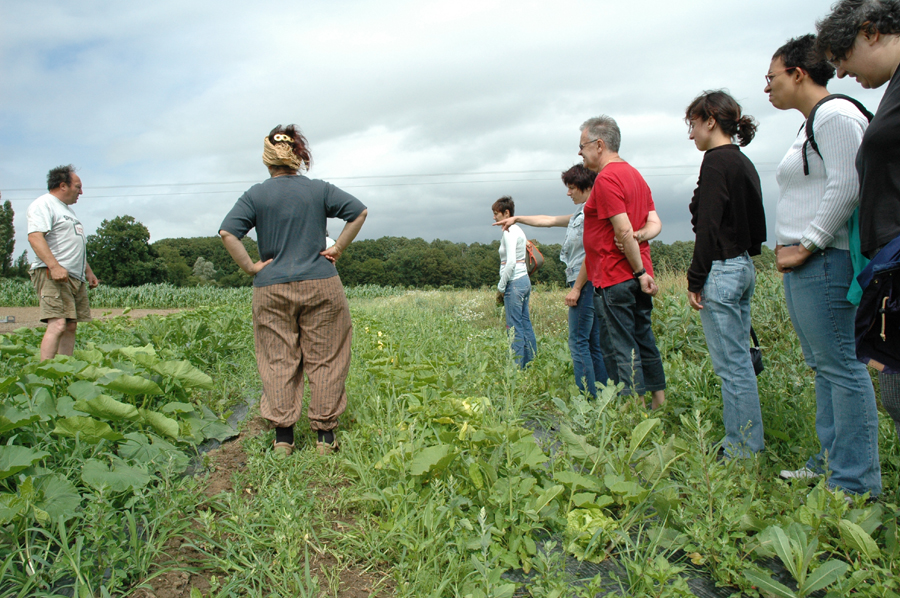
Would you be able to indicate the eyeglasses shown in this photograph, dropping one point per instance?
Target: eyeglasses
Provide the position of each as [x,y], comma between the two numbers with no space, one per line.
[581,146]
[771,76]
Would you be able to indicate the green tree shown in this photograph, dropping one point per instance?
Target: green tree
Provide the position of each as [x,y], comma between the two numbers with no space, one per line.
[7,238]
[23,266]
[178,272]
[205,270]
[120,254]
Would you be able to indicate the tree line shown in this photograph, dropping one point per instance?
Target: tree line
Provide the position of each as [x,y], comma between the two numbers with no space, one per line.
[120,254]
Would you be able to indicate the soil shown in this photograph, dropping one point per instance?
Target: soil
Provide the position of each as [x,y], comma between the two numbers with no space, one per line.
[29,317]
[184,566]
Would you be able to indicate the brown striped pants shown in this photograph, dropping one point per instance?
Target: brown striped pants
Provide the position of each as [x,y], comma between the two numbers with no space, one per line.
[302,327]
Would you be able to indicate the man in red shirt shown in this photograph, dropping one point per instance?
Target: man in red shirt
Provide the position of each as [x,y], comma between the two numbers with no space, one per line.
[617,259]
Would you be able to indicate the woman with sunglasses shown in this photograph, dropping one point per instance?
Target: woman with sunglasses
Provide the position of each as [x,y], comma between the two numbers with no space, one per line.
[730,224]
[861,38]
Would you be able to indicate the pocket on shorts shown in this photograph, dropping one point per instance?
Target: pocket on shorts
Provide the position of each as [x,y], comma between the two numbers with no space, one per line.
[52,302]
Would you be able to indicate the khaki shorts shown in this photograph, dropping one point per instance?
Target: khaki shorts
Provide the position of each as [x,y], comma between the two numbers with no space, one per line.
[67,300]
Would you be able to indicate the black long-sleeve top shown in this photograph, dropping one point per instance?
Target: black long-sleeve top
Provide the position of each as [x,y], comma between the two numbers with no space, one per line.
[878,165]
[726,212]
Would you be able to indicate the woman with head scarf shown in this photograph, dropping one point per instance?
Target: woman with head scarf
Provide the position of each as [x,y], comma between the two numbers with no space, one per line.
[301,318]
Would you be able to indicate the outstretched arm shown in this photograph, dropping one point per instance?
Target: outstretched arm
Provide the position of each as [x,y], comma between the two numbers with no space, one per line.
[541,220]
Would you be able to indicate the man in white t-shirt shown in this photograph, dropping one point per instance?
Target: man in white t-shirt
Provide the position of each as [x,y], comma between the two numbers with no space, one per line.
[61,274]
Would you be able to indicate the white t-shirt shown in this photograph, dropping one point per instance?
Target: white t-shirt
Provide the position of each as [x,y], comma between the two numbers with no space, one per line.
[63,232]
[816,206]
[512,244]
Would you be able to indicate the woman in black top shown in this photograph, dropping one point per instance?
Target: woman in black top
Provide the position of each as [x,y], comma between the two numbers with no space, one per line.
[730,225]
[861,38]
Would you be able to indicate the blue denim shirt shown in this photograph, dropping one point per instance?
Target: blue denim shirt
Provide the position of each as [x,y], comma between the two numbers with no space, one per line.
[572,251]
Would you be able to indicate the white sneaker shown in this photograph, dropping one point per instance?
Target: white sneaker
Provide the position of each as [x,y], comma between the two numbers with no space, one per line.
[803,473]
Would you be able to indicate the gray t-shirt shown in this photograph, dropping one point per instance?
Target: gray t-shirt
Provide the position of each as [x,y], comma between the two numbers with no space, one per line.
[289,214]
[62,231]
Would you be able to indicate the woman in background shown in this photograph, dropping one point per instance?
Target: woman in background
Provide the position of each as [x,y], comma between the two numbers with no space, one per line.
[730,226]
[514,285]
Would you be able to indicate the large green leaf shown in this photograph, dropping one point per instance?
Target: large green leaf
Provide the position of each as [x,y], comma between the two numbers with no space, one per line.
[83,390]
[12,418]
[57,369]
[7,381]
[827,574]
[857,538]
[65,407]
[130,385]
[117,477]
[14,459]
[432,458]
[640,433]
[58,497]
[186,374]
[576,480]
[176,407]
[140,352]
[767,584]
[87,428]
[546,496]
[11,505]
[783,548]
[152,451]
[578,446]
[44,404]
[159,422]
[92,356]
[93,372]
[106,407]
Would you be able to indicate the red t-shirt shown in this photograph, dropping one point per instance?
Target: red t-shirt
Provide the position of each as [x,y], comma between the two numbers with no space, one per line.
[619,189]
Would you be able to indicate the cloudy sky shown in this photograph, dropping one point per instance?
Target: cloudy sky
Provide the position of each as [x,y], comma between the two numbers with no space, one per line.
[426,111]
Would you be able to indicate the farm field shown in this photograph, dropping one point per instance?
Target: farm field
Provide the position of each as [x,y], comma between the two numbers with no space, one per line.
[441,488]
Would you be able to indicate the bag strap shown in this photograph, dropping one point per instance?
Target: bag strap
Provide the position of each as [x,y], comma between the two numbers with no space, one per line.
[753,337]
[810,136]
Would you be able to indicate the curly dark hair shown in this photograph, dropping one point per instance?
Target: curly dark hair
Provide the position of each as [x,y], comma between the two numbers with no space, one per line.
[838,31]
[504,204]
[300,145]
[721,106]
[580,177]
[800,52]
[59,176]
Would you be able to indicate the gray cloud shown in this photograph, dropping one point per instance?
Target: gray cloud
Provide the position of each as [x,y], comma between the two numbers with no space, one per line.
[182,92]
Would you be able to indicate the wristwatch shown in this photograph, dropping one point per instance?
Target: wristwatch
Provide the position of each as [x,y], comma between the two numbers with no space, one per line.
[640,273]
[809,245]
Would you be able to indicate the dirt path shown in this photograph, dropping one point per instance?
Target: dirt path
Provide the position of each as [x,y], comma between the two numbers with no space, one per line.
[29,316]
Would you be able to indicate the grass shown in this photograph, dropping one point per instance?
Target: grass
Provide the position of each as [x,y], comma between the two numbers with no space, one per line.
[440,487]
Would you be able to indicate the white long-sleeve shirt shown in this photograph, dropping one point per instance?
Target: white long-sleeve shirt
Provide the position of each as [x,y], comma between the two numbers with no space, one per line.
[512,244]
[816,207]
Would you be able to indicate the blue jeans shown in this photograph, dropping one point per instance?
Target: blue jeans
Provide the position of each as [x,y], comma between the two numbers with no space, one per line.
[515,300]
[584,342]
[630,342]
[846,413]
[726,325]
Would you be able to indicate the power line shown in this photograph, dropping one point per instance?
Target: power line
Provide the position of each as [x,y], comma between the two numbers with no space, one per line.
[398,184]
[374,176]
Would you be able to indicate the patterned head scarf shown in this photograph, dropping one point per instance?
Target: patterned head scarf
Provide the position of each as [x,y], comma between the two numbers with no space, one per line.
[281,153]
